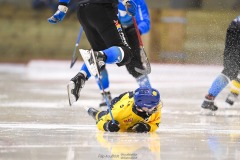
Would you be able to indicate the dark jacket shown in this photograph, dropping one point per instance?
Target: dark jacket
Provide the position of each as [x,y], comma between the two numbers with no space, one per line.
[90,1]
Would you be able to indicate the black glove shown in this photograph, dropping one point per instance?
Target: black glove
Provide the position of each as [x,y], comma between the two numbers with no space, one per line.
[141,127]
[111,127]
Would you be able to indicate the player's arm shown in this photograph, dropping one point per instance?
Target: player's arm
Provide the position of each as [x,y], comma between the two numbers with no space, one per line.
[105,124]
[60,13]
[154,124]
[143,18]
[146,127]
[155,119]
[150,126]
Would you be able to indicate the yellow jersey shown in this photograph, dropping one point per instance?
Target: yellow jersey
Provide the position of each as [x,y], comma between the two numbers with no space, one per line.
[125,113]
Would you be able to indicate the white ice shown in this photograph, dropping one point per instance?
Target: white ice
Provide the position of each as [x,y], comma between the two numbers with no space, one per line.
[36,121]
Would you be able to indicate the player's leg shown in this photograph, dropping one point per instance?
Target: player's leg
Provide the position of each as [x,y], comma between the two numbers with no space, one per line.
[234,49]
[217,86]
[142,80]
[105,84]
[116,50]
[102,31]
[109,27]
[231,53]
[95,40]
[96,114]
[77,83]
[97,44]
[234,91]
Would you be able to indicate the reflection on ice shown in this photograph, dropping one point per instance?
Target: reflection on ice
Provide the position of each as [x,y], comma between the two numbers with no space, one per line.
[130,145]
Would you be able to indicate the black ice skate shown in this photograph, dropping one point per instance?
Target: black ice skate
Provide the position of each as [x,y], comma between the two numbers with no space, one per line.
[74,87]
[208,104]
[92,112]
[231,98]
[94,60]
[109,98]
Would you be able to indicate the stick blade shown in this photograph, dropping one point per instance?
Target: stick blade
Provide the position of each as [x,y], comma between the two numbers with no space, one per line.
[146,63]
[73,62]
[145,71]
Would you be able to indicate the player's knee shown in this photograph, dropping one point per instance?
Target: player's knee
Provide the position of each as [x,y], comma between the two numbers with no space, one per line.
[127,56]
[132,71]
[230,74]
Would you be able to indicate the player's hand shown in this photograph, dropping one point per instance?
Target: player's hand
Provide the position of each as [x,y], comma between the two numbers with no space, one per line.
[59,15]
[141,127]
[130,6]
[111,127]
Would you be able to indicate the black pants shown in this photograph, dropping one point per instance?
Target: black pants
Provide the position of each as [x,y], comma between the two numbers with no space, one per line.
[102,28]
[231,61]
[134,44]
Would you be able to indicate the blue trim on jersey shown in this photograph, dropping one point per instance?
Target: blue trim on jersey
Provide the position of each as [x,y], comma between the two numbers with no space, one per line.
[218,85]
[142,16]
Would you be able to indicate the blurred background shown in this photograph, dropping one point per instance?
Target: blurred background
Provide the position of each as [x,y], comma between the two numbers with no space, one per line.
[182,31]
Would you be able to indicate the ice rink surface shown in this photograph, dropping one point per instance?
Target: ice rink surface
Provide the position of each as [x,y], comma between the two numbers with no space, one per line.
[36,122]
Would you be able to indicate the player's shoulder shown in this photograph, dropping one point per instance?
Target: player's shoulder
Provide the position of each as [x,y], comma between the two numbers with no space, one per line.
[158,109]
[122,97]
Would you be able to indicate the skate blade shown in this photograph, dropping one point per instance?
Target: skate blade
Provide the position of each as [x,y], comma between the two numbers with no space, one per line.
[207,112]
[71,97]
[92,67]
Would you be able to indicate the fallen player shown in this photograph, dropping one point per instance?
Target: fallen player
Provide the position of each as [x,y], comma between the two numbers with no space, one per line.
[138,111]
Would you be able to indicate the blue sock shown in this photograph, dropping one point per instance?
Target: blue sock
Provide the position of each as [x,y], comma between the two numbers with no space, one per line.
[218,85]
[104,79]
[84,68]
[114,54]
[143,81]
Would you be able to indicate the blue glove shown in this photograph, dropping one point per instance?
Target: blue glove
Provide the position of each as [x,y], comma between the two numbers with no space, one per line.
[130,6]
[59,15]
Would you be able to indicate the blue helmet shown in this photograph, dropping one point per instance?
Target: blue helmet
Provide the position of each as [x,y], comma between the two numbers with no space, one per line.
[146,97]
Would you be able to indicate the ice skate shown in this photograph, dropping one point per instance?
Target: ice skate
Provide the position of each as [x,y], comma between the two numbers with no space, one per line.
[92,112]
[103,104]
[208,103]
[208,106]
[74,87]
[231,98]
[94,60]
